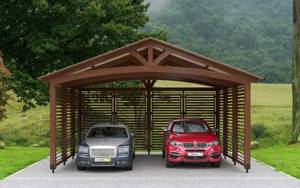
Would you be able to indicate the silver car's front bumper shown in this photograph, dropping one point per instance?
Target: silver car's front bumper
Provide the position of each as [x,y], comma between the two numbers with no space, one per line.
[119,161]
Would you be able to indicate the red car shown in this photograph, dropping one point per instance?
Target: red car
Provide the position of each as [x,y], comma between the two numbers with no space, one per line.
[191,141]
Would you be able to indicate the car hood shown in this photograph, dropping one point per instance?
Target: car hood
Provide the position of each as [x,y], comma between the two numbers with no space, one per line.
[193,137]
[92,142]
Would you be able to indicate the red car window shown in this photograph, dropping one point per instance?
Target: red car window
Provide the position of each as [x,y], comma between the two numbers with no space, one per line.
[189,127]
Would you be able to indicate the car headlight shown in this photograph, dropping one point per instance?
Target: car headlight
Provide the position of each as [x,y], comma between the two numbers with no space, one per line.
[214,143]
[83,150]
[123,149]
[174,143]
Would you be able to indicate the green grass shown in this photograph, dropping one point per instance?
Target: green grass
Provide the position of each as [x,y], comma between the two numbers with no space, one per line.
[13,159]
[25,129]
[282,158]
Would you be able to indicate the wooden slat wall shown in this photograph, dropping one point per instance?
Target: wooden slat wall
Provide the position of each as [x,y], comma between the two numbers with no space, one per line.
[240,124]
[166,106]
[131,110]
[77,111]
[65,129]
[97,108]
[232,132]
[129,107]
[201,104]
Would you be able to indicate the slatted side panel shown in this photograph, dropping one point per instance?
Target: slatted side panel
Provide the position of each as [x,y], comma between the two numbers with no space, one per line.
[200,104]
[166,106]
[68,125]
[221,117]
[65,136]
[229,123]
[240,123]
[131,110]
[59,128]
[97,108]
[76,101]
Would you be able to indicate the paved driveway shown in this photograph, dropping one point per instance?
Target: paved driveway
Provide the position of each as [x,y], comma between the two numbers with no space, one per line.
[149,171]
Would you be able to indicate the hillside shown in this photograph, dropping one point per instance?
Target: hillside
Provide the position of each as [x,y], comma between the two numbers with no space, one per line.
[255,35]
[271,108]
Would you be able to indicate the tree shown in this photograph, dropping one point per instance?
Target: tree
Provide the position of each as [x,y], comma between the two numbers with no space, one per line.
[255,35]
[4,73]
[296,74]
[41,36]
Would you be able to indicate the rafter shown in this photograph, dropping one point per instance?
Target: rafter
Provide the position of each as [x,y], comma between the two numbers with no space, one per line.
[162,57]
[138,57]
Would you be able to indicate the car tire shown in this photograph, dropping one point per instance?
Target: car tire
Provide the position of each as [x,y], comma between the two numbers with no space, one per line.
[163,154]
[133,155]
[168,164]
[130,166]
[216,165]
[80,168]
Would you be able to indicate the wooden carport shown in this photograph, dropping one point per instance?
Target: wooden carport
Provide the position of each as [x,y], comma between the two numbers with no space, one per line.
[76,101]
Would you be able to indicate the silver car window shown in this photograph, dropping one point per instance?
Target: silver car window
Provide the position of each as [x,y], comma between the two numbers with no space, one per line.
[102,132]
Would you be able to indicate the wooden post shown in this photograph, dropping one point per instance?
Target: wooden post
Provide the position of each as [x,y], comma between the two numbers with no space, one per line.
[79,123]
[234,124]
[52,127]
[150,54]
[217,112]
[225,122]
[148,123]
[247,128]
[73,145]
[64,127]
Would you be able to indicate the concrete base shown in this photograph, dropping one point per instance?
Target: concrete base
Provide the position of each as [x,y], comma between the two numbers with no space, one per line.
[149,171]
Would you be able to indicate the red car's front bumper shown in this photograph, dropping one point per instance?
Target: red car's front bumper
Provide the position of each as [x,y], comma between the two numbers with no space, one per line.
[177,154]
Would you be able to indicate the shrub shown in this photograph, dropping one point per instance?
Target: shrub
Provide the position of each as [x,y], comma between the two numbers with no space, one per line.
[259,131]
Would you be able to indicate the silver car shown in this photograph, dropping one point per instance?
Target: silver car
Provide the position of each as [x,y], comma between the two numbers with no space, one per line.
[106,144]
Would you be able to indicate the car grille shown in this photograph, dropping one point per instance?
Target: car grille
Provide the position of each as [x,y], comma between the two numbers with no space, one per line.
[194,145]
[103,152]
[194,157]
[102,163]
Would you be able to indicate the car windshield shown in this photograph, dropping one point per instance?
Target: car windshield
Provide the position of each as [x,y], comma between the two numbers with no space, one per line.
[188,127]
[102,132]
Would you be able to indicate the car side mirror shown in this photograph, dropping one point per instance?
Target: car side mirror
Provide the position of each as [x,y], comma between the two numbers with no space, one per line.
[164,129]
[215,130]
[132,135]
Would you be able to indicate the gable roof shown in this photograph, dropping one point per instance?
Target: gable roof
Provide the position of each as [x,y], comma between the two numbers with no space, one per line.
[153,57]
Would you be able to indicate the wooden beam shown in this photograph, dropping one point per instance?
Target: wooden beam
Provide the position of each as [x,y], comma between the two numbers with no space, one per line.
[150,54]
[138,57]
[156,72]
[52,127]
[161,58]
[247,128]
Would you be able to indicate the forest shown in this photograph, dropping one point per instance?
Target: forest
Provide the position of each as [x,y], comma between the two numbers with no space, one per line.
[255,35]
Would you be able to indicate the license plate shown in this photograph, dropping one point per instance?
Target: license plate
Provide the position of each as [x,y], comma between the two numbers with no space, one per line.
[195,154]
[103,159]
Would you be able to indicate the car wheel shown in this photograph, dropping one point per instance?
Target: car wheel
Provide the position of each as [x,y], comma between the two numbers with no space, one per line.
[133,155]
[129,167]
[216,165]
[168,164]
[80,168]
[163,153]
